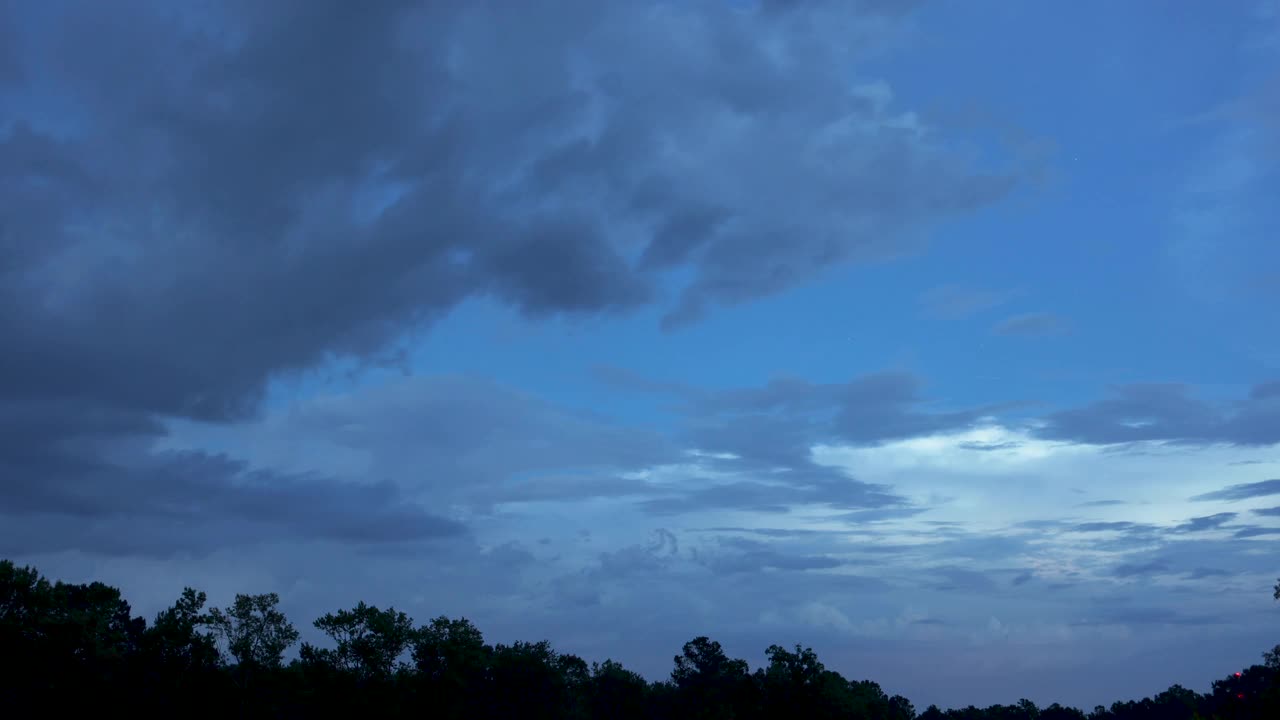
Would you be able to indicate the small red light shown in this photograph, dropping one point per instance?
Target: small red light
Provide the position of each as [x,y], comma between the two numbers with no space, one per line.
[1237,674]
[1240,695]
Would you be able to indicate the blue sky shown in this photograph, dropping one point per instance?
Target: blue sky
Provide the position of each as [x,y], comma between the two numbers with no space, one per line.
[930,334]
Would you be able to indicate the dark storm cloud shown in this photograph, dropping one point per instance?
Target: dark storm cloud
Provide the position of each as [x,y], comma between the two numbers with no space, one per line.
[1168,412]
[247,155]
[195,202]
[1243,491]
[1031,325]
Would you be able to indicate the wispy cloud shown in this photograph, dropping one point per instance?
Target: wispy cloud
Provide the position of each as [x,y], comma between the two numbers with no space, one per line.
[1243,491]
[1039,324]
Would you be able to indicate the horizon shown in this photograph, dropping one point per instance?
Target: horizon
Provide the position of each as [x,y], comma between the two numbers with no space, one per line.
[900,330]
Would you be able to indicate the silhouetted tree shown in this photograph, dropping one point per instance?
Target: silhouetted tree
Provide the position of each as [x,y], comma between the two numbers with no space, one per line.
[256,633]
[1271,658]
[67,646]
[370,642]
[708,683]
[76,649]
[530,680]
[179,657]
[452,661]
[615,692]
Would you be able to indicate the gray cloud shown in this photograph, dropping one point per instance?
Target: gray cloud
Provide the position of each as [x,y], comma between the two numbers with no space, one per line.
[990,447]
[1118,526]
[1167,412]
[958,579]
[1267,512]
[1256,531]
[1243,491]
[169,503]
[1031,325]
[1128,570]
[1265,391]
[1208,522]
[738,555]
[196,203]
[1130,615]
[1201,573]
[953,302]
[867,410]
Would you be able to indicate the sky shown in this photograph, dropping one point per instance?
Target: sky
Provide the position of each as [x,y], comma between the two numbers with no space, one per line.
[942,337]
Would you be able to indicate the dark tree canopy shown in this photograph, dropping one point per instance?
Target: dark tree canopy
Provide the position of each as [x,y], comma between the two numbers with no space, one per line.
[370,642]
[255,631]
[77,648]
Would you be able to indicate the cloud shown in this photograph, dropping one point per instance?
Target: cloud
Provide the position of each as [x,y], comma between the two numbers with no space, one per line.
[1128,570]
[1255,531]
[168,503]
[869,409]
[1031,325]
[457,439]
[955,302]
[1201,573]
[1133,615]
[1243,491]
[429,180]
[300,185]
[958,579]
[1267,512]
[736,555]
[1168,412]
[1110,526]
[1208,522]
[1265,391]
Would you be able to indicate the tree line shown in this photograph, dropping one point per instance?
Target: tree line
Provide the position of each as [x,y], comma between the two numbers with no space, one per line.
[78,648]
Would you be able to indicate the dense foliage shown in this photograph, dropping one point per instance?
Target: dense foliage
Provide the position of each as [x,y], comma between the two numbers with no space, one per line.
[77,648]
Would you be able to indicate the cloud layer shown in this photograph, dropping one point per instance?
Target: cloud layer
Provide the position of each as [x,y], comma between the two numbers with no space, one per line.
[197,204]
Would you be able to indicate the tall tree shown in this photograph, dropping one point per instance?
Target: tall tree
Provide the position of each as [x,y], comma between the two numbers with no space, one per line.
[177,639]
[615,692]
[452,662]
[709,684]
[179,656]
[255,631]
[370,641]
